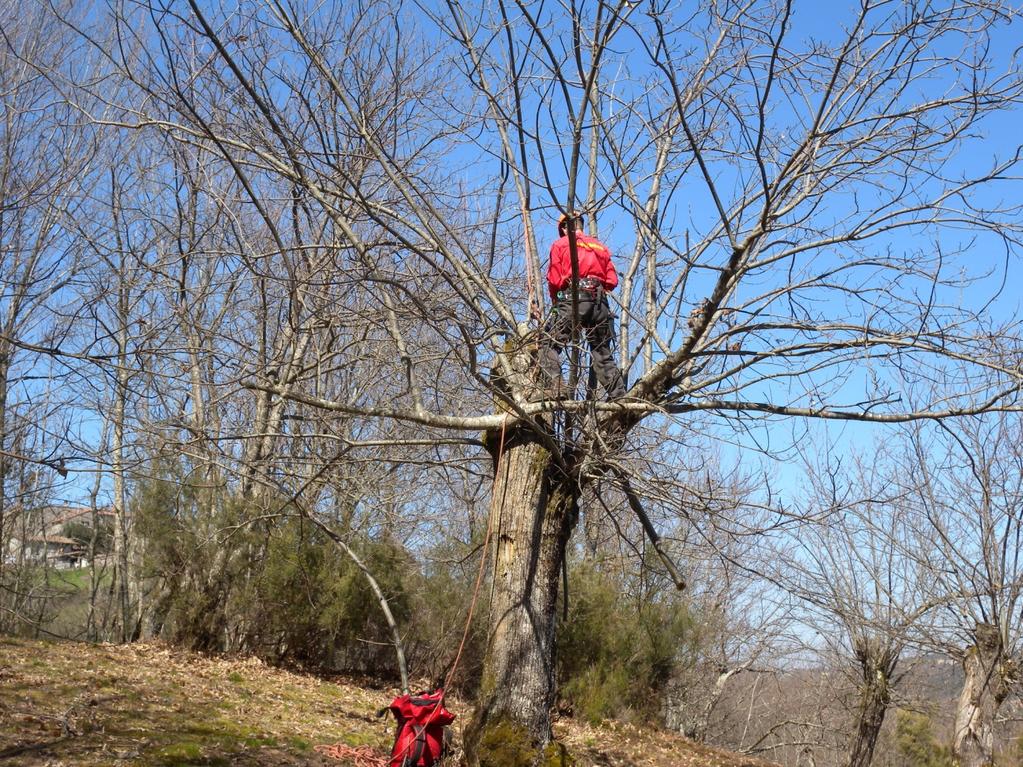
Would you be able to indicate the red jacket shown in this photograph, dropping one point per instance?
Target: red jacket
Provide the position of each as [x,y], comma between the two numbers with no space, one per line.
[594,261]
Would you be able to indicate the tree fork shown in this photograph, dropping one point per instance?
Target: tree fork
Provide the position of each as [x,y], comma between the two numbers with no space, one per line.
[877,665]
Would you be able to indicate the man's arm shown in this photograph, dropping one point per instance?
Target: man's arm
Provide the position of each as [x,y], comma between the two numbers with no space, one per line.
[557,274]
[610,275]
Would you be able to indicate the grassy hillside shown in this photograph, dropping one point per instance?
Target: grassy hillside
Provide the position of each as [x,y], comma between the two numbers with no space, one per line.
[79,704]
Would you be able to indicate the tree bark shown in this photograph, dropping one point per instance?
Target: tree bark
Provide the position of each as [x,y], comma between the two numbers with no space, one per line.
[984,689]
[6,550]
[533,513]
[877,664]
[127,590]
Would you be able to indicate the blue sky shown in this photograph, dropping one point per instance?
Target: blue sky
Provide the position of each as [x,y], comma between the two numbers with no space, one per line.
[691,208]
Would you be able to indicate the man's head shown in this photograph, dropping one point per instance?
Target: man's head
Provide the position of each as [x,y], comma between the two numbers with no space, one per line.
[565,219]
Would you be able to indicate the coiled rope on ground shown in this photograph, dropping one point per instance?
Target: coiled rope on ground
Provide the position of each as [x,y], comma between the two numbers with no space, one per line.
[359,756]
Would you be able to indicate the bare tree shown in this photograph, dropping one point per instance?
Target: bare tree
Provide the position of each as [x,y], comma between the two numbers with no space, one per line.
[865,595]
[968,501]
[699,526]
[45,151]
[793,292]
[120,304]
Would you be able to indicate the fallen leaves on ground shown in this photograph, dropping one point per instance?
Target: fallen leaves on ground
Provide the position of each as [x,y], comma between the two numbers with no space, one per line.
[64,703]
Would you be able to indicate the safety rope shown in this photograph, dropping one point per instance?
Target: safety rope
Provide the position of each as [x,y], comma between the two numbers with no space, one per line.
[365,756]
[532,279]
[483,557]
[534,312]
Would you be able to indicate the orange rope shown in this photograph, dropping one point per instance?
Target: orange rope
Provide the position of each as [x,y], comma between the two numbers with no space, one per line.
[483,559]
[364,756]
[531,278]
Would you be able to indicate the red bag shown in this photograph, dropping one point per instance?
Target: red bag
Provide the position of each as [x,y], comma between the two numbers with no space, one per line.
[419,740]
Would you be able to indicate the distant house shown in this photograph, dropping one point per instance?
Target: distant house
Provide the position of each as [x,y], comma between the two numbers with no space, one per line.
[40,534]
[57,550]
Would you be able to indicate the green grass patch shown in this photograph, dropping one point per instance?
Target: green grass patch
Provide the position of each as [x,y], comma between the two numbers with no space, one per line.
[187,753]
[185,750]
[261,740]
[79,578]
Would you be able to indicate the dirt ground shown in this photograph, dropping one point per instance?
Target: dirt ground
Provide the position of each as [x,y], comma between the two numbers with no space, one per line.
[144,704]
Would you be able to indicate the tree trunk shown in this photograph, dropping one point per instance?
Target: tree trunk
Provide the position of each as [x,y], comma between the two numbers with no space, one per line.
[533,513]
[6,550]
[122,575]
[877,664]
[127,569]
[92,631]
[984,689]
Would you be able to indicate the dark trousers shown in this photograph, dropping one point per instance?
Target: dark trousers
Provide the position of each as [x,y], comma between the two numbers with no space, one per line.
[596,321]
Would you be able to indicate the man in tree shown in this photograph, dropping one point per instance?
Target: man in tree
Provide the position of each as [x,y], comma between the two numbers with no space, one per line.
[596,274]
[792,190]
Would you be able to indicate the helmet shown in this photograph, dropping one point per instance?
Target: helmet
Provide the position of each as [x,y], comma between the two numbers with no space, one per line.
[564,218]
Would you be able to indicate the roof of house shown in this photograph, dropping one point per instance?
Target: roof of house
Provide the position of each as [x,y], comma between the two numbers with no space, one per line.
[65,514]
[60,539]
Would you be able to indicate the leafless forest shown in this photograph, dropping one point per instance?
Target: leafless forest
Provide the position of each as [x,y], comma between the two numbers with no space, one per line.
[271,279]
